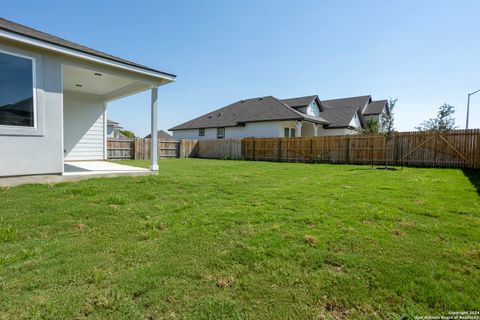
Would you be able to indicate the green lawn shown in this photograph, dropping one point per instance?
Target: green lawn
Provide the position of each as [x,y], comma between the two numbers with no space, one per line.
[212,239]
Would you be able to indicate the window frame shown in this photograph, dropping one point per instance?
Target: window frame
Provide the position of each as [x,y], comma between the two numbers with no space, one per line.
[201,132]
[286,132]
[293,131]
[34,92]
[223,135]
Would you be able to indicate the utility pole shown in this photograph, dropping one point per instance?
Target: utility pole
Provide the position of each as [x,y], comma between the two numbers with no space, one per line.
[468,106]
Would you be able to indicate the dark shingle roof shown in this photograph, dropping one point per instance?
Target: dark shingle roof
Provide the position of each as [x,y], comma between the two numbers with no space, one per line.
[251,110]
[35,34]
[162,135]
[358,102]
[300,101]
[375,107]
[339,117]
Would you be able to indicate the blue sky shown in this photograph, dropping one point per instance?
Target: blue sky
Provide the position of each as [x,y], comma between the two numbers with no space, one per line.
[425,53]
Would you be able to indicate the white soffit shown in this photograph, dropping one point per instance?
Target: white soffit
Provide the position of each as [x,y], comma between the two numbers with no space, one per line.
[88,81]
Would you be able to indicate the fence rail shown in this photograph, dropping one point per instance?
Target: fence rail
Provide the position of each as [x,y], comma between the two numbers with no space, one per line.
[457,148]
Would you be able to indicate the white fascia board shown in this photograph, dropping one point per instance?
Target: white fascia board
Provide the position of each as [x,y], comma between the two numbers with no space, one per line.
[126,91]
[82,55]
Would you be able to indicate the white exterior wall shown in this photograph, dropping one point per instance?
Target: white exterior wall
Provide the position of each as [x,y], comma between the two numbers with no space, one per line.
[311,109]
[84,130]
[254,129]
[265,129]
[272,129]
[41,152]
[355,121]
[192,134]
[336,132]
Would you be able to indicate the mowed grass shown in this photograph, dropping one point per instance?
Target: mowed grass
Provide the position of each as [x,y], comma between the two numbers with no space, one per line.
[212,239]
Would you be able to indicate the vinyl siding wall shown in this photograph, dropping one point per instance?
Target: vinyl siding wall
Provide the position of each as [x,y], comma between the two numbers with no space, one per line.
[84,130]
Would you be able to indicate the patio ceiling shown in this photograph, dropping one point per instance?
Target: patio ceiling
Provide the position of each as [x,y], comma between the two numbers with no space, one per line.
[100,83]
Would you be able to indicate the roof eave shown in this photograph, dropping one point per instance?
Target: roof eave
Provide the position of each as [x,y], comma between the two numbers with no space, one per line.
[40,43]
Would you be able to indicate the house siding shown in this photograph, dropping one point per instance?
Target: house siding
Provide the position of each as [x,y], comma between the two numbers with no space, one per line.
[254,129]
[84,131]
[337,132]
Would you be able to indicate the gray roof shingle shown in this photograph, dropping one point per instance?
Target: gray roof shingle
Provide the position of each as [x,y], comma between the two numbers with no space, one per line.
[252,110]
[339,117]
[45,37]
[375,107]
[300,101]
[162,135]
[359,102]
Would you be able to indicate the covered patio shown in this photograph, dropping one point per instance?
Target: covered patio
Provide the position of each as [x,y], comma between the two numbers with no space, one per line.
[101,168]
[87,90]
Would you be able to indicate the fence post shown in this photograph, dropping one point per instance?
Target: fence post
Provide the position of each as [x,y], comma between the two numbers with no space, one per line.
[253,149]
[395,150]
[311,149]
[371,151]
[280,150]
[347,145]
[477,166]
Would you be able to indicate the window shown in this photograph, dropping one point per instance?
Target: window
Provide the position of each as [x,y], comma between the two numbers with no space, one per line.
[16,90]
[220,133]
[289,132]
[201,132]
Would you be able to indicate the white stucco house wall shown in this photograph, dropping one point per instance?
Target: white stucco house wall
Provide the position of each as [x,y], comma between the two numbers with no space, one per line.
[266,117]
[53,100]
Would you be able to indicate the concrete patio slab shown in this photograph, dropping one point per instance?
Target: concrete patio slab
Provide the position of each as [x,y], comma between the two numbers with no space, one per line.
[79,170]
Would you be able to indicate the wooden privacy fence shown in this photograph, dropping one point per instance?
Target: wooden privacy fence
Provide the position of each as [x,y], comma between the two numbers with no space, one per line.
[220,149]
[140,149]
[120,148]
[457,148]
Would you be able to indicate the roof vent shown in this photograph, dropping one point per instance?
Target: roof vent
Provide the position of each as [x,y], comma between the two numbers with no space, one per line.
[242,101]
[210,116]
[260,98]
[218,115]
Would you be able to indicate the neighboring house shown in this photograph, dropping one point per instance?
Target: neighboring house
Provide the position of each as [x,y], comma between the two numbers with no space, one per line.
[53,97]
[162,135]
[114,129]
[272,117]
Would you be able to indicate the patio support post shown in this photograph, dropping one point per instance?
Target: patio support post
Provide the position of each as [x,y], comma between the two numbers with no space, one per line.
[315,129]
[154,137]
[298,130]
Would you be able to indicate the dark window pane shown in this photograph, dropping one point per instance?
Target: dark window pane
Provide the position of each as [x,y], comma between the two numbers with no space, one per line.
[16,91]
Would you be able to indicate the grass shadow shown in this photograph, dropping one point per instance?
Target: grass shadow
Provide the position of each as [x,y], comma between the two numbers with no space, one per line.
[474,177]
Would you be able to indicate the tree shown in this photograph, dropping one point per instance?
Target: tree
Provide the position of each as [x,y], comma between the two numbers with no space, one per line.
[371,126]
[128,134]
[444,120]
[388,125]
